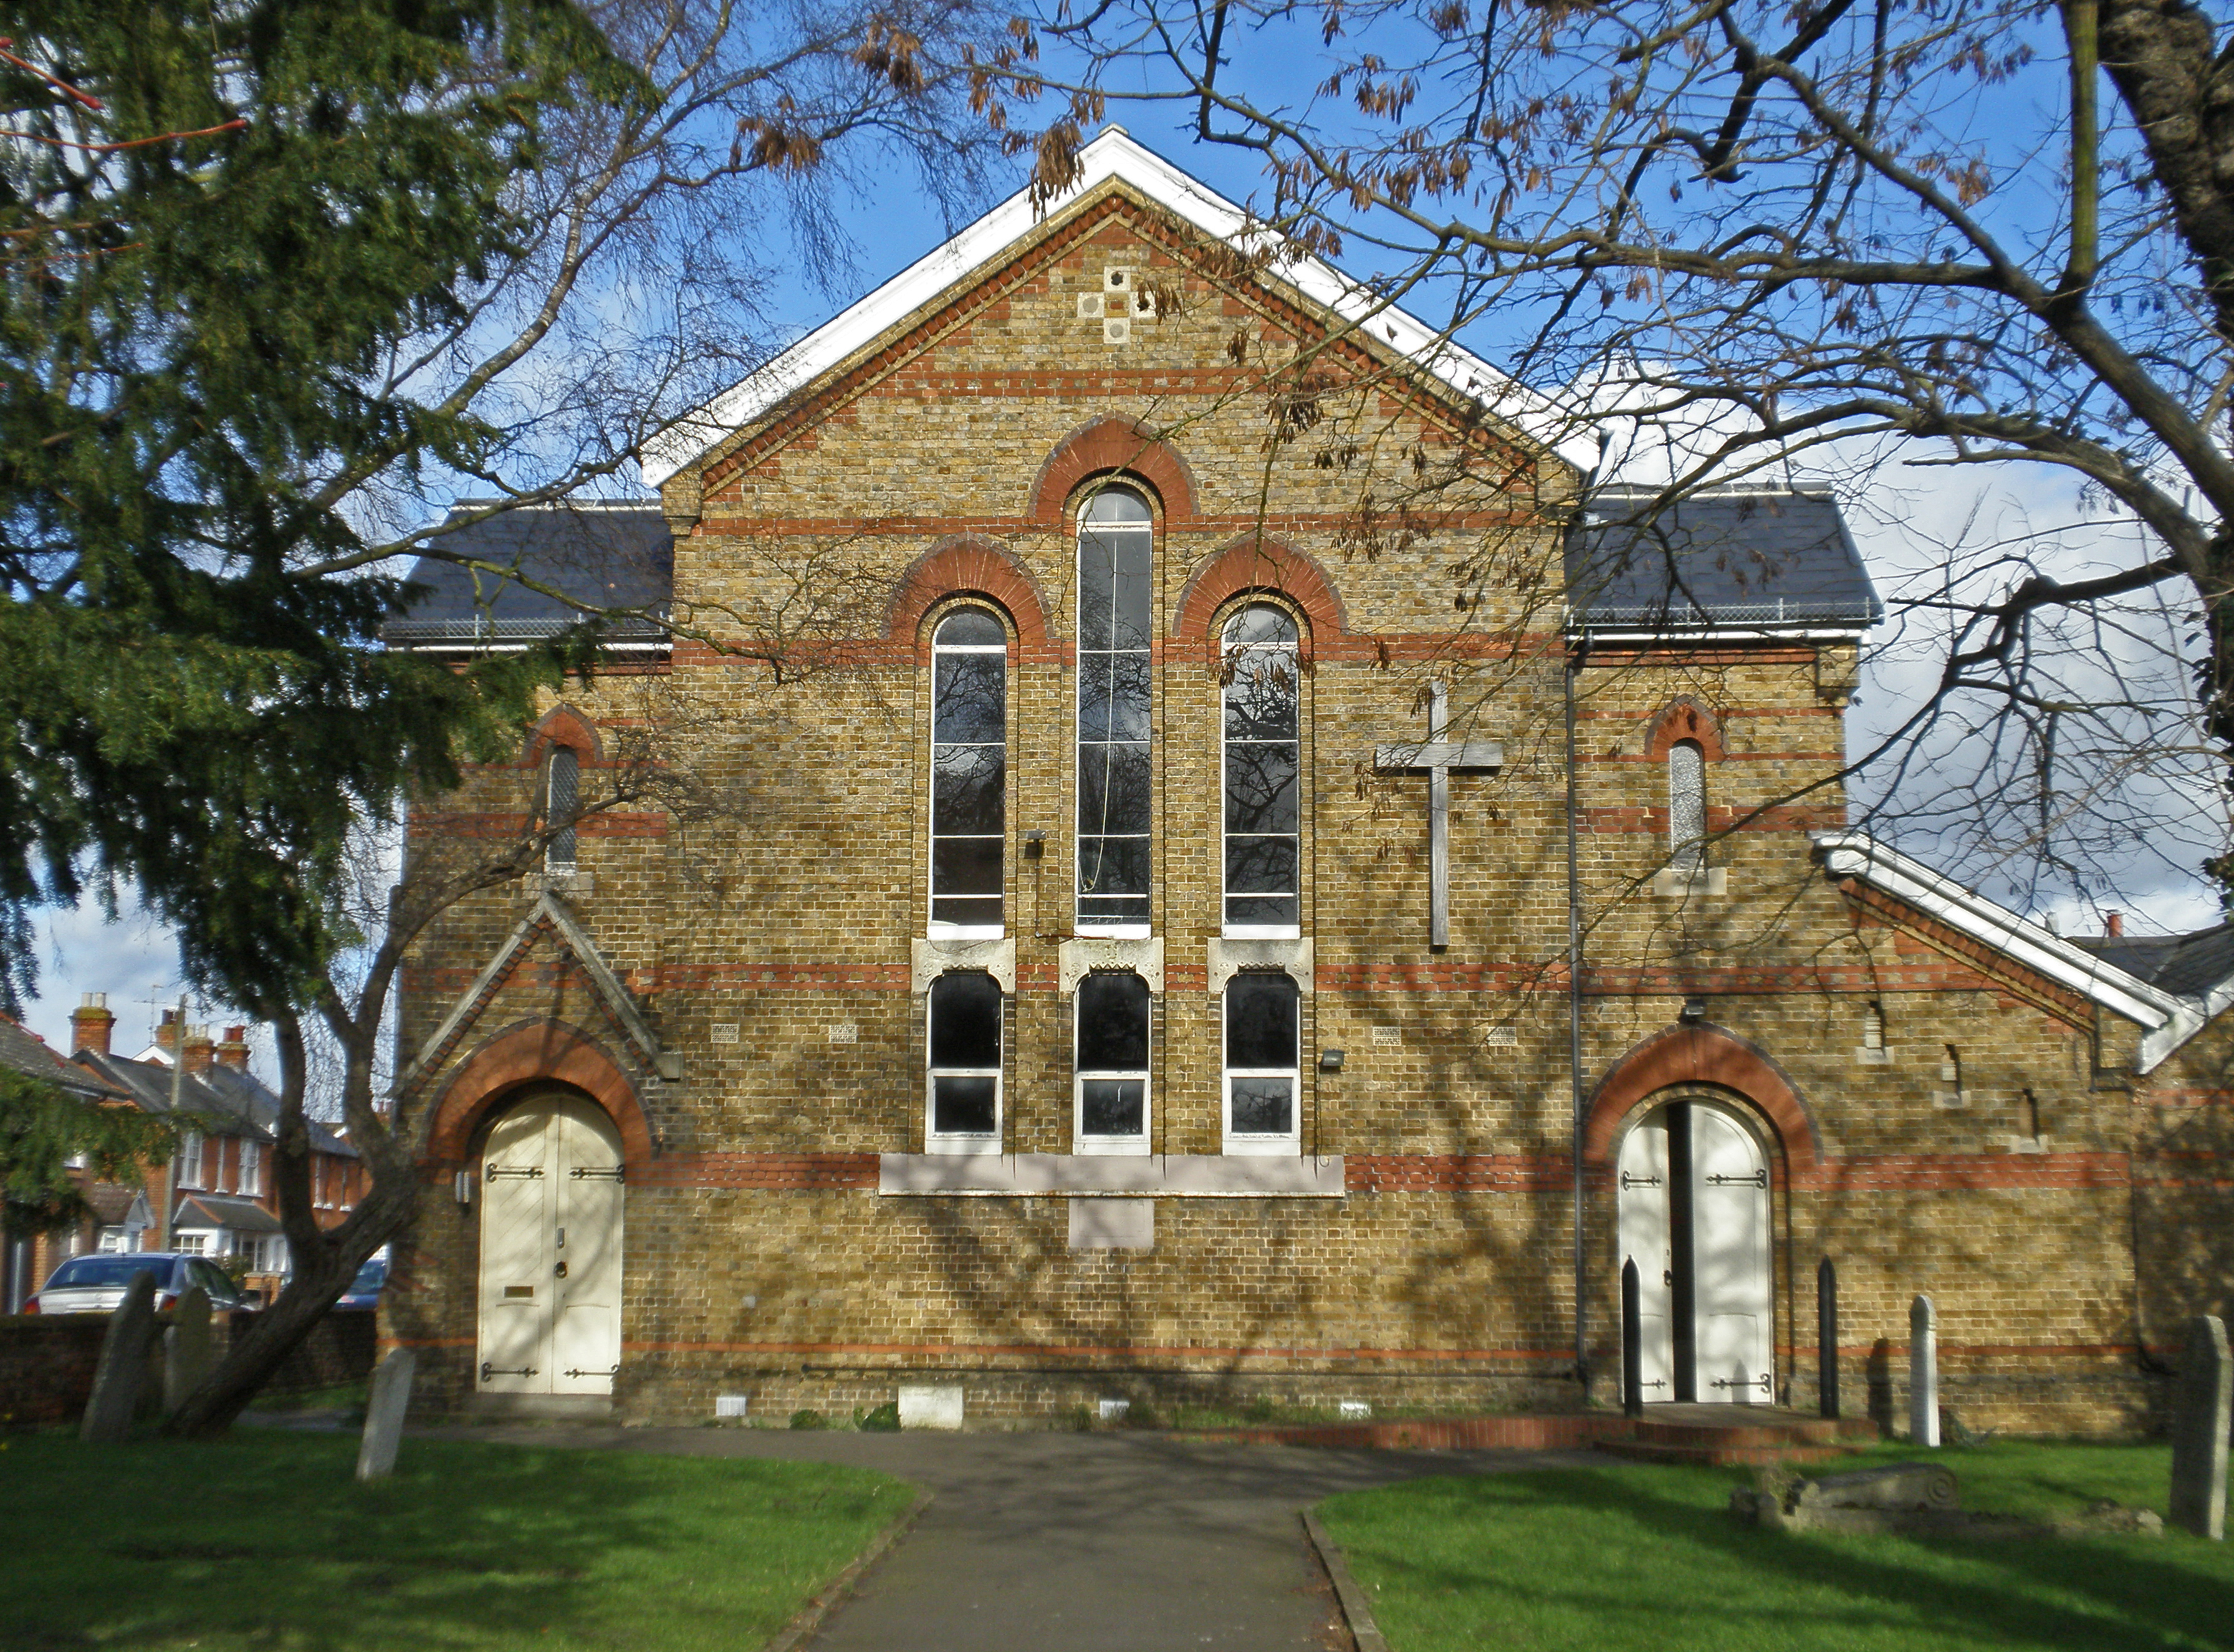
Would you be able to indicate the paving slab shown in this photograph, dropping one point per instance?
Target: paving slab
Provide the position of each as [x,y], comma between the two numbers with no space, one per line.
[1078,1541]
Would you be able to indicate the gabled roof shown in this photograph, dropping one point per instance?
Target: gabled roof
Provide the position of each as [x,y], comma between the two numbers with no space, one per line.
[608,556]
[1737,559]
[553,917]
[1112,156]
[224,1210]
[2167,1019]
[225,1108]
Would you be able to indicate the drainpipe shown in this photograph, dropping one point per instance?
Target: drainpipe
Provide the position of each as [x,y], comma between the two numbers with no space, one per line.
[1574,665]
[178,1100]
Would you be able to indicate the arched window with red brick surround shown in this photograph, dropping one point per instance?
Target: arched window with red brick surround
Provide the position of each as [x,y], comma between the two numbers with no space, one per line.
[1685,737]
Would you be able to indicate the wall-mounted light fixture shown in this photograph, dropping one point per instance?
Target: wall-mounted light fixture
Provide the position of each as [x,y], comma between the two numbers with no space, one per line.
[462,1185]
[1034,845]
[1330,1060]
[1695,1010]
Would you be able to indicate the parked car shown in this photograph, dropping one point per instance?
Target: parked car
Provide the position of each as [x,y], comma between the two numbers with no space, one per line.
[96,1284]
[364,1289]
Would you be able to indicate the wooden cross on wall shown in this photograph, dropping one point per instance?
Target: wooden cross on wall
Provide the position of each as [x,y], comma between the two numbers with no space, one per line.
[1436,757]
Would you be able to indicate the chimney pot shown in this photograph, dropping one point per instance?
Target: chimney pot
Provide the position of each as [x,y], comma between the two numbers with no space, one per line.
[233,1049]
[2113,924]
[92,1024]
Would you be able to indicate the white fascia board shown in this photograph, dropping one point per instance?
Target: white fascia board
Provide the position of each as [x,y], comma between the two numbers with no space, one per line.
[1113,154]
[2167,1021]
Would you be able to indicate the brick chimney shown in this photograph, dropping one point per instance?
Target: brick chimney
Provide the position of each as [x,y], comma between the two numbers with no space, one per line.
[201,1053]
[233,1050]
[167,1033]
[2113,925]
[91,1024]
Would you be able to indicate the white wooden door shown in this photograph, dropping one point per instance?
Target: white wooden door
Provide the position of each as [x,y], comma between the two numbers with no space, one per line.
[550,1250]
[1731,1237]
[1642,1202]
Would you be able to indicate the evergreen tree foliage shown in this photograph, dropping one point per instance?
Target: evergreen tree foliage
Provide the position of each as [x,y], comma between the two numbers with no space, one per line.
[43,1129]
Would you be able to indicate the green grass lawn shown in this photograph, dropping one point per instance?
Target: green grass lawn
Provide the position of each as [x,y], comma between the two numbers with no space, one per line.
[267,1541]
[1633,1556]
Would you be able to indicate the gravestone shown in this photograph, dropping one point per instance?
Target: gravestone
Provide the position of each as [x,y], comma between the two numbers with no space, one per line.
[1897,1485]
[123,1365]
[187,1348]
[1923,1373]
[383,1414]
[2200,1419]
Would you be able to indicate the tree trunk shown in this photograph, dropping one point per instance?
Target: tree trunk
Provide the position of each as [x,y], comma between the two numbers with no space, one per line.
[319,1279]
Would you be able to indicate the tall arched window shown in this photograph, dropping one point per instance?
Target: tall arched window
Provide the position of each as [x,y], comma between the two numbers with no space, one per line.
[1116,539]
[1264,1065]
[1112,1064]
[1263,773]
[964,1077]
[969,771]
[1686,807]
[562,792]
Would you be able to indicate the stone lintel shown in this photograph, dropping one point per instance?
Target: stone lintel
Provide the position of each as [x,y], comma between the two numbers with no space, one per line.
[928,960]
[1144,957]
[1228,958]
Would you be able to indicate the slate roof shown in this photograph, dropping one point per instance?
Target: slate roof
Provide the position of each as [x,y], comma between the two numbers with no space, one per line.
[224,1210]
[612,556]
[148,1083]
[1736,558]
[26,1052]
[2190,965]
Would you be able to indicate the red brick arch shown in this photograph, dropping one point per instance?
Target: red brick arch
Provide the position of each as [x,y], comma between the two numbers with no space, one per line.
[1255,563]
[1108,444]
[531,1053]
[1701,1056]
[1685,719]
[967,565]
[564,726]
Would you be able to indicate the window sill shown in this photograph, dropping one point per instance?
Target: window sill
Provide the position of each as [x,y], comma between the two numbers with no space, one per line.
[967,931]
[1110,1146]
[1114,931]
[962,1147]
[1261,932]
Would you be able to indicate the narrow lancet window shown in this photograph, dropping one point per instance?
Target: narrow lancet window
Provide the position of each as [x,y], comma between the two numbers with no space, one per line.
[1115,541]
[1686,807]
[1113,1063]
[1263,772]
[969,771]
[965,1062]
[562,797]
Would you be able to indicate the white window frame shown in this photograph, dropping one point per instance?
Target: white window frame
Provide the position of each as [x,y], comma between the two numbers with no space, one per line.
[1112,1146]
[1294,651]
[113,1242]
[190,1160]
[251,1176]
[1081,925]
[956,1141]
[936,926]
[193,1242]
[1257,1145]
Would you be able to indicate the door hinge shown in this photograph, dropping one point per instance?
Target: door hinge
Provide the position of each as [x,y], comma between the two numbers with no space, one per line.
[489,1370]
[585,1173]
[1629,1181]
[1757,1179]
[615,1371]
[497,1173]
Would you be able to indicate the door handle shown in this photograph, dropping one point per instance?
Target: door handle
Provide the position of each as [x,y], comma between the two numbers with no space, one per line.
[558,1272]
[1667,1276]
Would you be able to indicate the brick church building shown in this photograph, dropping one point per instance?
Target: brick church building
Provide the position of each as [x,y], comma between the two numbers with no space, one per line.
[1081,862]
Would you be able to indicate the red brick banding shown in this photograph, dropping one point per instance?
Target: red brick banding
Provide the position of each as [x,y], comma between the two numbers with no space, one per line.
[1108,445]
[1701,1056]
[535,1052]
[967,565]
[1254,563]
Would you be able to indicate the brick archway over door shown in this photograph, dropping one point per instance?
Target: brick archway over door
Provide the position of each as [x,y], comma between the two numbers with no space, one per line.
[1699,1055]
[548,1051]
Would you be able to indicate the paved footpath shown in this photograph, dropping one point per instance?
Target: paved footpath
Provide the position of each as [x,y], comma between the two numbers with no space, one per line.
[1079,1543]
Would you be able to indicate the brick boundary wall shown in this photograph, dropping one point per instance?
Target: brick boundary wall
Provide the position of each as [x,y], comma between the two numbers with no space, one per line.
[47,1361]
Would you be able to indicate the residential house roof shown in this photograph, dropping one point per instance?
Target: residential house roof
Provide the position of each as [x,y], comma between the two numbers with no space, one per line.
[224,1210]
[618,557]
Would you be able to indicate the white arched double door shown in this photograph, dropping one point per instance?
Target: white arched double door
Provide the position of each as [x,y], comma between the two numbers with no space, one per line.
[550,1250]
[1693,1185]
